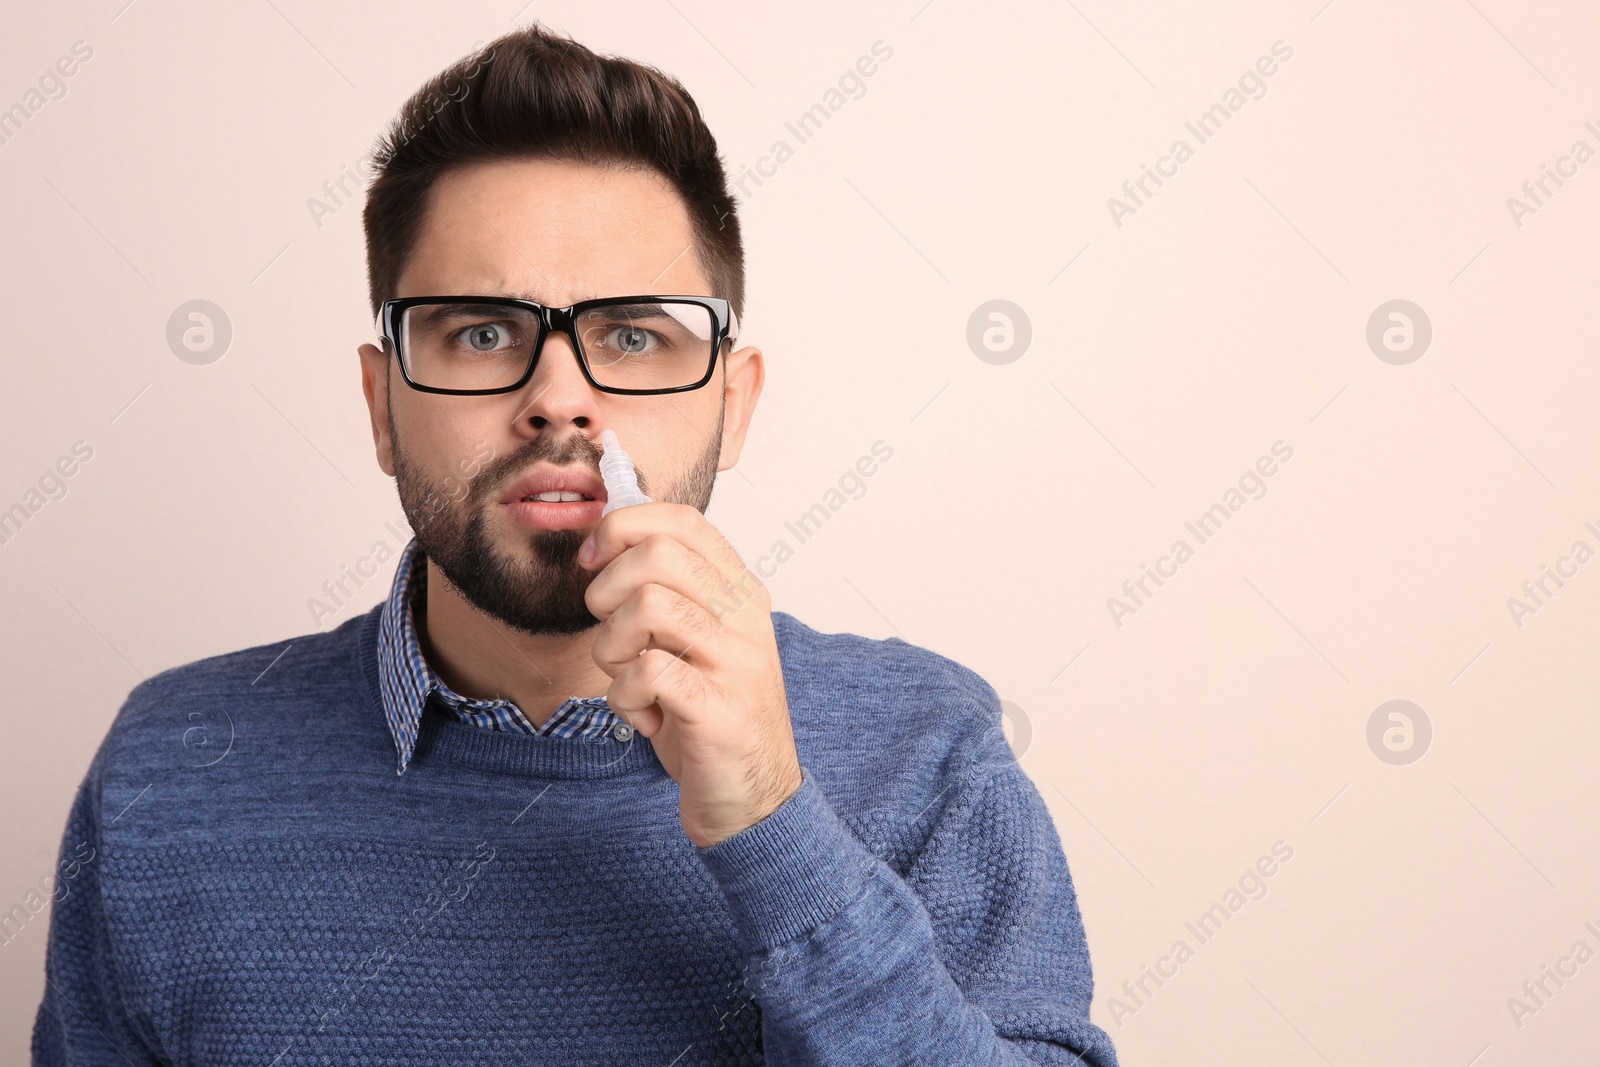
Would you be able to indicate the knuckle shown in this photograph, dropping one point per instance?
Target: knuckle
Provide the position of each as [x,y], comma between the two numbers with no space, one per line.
[655,599]
[658,549]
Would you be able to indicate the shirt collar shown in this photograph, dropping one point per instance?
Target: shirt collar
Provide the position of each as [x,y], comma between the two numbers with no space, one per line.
[405,680]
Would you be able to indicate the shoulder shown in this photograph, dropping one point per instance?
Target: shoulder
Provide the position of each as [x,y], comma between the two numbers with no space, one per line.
[864,707]
[884,668]
[187,716]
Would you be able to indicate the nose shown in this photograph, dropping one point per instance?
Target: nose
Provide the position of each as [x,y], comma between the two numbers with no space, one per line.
[557,397]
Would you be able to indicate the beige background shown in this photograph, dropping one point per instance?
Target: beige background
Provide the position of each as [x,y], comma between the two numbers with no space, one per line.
[1227,313]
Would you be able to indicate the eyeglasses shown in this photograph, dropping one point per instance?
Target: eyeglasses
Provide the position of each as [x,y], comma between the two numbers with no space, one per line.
[635,345]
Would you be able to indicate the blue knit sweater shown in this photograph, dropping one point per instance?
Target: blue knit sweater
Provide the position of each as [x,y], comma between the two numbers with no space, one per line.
[245,880]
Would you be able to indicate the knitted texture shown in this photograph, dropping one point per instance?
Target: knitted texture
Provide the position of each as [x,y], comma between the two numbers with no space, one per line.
[264,889]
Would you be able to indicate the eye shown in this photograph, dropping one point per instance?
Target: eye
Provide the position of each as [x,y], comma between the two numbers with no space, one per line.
[630,340]
[486,336]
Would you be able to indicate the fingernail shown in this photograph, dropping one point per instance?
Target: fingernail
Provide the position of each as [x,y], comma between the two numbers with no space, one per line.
[586,551]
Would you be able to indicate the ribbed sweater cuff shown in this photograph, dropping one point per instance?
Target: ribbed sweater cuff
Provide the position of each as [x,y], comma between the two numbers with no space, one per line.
[792,871]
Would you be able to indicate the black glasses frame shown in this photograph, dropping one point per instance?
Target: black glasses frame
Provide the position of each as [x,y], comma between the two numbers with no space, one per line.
[725,327]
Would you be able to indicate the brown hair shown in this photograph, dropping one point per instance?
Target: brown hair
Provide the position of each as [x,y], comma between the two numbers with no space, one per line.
[533,94]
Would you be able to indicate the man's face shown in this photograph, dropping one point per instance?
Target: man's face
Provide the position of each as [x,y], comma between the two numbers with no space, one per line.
[556,233]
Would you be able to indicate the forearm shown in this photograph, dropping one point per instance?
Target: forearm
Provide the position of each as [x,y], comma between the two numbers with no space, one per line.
[847,968]
[81,1021]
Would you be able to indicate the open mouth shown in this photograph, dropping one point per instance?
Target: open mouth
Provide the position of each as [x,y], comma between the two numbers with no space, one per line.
[546,497]
[556,496]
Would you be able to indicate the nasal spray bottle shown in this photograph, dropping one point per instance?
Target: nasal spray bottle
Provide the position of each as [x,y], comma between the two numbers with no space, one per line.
[616,469]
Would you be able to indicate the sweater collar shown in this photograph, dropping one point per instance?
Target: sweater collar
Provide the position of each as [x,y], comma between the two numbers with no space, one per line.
[405,681]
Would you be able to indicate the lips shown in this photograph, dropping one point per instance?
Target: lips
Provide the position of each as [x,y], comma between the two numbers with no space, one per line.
[569,484]
[555,498]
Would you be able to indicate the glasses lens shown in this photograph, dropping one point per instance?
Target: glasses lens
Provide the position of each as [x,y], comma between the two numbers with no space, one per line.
[653,345]
[467,346]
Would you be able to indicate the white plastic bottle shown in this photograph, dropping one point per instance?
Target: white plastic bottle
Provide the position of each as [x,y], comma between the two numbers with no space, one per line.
[622,482]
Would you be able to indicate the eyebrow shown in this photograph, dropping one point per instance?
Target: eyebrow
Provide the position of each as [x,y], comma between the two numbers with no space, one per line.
[533,297]
[433,314]
[591,295]
[640,309]
[645,311]
[467,307]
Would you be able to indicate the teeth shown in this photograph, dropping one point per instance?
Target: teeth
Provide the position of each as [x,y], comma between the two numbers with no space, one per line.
[557,496]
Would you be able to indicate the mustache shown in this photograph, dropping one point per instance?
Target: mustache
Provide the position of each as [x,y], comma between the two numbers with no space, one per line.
[574,448]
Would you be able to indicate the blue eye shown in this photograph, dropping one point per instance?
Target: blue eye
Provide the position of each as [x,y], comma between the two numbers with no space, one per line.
[487,336]
[630,340]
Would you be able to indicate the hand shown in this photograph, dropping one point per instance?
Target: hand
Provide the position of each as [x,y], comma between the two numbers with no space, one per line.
[686,636]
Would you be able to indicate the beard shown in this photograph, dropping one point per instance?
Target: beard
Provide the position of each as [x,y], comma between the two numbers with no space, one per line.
[532,581]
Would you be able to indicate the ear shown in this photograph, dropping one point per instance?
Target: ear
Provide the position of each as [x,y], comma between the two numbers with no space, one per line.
[744,373]
[375,386]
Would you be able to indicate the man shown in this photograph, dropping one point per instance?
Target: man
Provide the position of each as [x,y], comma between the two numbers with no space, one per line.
[572,793]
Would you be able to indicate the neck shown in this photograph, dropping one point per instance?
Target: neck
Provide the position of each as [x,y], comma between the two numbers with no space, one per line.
[483,658]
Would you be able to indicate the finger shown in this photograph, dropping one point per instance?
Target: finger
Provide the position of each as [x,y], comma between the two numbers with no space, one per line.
[657,617]
[647,721]
[657,678]
[626,527]
[663,560]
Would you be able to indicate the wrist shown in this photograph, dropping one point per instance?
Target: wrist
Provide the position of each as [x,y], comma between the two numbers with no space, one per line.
[767,802]
[792,871]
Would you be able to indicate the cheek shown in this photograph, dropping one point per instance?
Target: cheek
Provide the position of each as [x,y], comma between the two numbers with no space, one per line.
[667,445]
[451,437]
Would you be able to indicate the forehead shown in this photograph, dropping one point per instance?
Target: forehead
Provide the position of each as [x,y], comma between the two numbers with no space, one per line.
[553,231]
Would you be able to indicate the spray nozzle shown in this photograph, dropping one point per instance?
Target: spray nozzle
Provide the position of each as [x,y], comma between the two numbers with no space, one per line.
[616,469]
